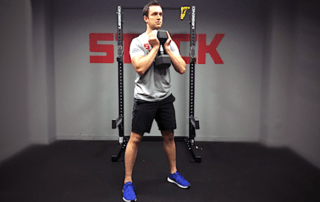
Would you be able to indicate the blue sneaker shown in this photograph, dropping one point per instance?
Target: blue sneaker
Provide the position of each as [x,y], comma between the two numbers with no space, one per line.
[128,192]
[178,179]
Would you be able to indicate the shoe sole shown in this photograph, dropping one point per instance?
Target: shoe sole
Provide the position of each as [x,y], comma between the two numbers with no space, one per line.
[179,185]
[128,200]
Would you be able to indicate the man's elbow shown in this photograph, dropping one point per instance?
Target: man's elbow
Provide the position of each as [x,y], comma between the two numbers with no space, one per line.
[139,70]
[182,70]
[137,65]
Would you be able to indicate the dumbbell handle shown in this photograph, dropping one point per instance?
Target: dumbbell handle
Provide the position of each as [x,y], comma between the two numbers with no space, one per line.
[162,36]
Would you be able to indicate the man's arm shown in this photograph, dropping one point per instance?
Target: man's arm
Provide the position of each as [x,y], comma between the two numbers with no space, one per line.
[142,63]
[178,63]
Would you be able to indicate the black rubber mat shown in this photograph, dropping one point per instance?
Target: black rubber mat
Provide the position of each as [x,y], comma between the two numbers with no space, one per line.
[82,171]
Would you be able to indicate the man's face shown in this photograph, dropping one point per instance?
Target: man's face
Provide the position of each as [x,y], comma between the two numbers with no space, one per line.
[154,20]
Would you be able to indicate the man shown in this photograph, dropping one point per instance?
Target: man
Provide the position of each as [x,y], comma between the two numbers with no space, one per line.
[153,97]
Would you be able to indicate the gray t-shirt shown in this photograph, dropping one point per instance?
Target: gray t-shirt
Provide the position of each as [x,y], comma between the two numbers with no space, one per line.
[154,84]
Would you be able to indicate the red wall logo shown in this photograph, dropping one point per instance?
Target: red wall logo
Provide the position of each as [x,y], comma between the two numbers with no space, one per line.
[203,47]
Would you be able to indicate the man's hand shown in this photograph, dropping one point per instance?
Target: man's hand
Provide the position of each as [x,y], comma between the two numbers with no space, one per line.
[176,59]
[167,44]
[153,39]
[142,63]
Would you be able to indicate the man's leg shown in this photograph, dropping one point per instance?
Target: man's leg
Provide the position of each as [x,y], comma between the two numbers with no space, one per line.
[170,150]
[131,155]
[169,147]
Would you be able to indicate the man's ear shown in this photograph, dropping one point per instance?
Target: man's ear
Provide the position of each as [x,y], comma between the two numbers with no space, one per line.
[145,18]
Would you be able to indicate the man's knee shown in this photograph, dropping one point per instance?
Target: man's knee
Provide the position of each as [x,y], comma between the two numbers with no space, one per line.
[135,138]
[168,136]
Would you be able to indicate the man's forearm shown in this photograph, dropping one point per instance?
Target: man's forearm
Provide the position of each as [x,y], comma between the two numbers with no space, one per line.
[143,63]
[177,62]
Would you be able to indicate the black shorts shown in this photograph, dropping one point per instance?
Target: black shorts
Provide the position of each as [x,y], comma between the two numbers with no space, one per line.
[145,112]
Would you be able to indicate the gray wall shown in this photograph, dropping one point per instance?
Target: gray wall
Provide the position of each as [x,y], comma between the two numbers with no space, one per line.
[41,75]
[266,91]
[290,93]
[278,65]
[16,59]
[303,134]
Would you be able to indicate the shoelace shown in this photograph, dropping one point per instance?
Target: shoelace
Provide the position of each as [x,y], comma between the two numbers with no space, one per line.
[180,176]
[130,185]
[132,188]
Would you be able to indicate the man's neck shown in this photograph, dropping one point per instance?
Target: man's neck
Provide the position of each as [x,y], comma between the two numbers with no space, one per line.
[149,30]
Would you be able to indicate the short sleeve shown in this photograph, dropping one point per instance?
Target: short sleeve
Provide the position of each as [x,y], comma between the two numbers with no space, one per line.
[174,48]
[136,48]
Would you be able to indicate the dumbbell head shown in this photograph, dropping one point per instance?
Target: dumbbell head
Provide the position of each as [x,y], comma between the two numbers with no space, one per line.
[162,61]
[162,36]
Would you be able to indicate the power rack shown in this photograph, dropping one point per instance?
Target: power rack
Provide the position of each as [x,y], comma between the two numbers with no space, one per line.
[193,123]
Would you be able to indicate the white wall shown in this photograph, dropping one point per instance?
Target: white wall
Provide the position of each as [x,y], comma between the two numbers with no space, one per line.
[227,96]
[16,58]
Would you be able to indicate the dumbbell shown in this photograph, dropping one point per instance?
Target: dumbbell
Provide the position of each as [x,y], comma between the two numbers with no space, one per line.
[162,60]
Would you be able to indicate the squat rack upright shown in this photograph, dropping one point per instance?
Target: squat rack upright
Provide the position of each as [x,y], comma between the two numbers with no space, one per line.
[193,123]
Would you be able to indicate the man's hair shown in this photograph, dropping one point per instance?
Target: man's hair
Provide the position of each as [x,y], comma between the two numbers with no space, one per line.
[145,11]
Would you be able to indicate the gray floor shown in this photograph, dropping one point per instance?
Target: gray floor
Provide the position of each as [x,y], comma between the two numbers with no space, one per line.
[83,171]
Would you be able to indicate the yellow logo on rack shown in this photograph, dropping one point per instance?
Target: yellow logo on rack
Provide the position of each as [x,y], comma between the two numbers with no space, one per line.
[183,11]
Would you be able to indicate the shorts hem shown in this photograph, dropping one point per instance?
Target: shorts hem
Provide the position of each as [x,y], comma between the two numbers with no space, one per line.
[138,132]
[167,129]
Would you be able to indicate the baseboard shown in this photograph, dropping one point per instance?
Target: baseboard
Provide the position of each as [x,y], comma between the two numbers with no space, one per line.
[85,137]
[201,138]
[226,139]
